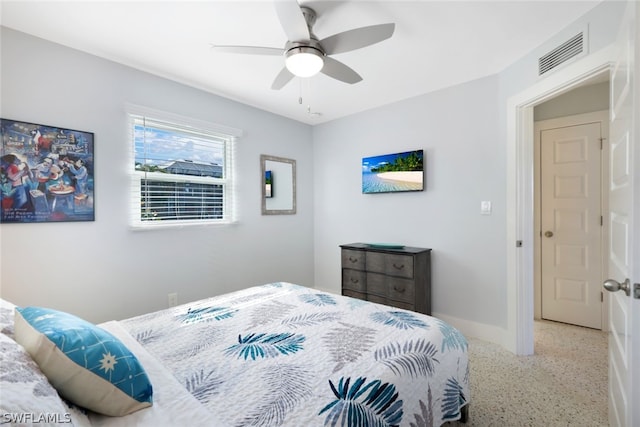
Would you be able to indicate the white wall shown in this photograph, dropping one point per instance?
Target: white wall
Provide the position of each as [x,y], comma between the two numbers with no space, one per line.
[103,270]
[464,165]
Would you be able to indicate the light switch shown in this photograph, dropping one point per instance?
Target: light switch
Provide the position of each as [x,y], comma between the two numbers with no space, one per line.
[485,207]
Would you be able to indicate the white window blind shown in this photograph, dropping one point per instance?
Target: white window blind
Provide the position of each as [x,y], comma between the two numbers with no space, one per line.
[182,173]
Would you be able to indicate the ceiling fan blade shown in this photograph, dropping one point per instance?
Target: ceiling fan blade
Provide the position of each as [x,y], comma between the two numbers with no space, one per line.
[251,50]
[339,71]
[357,38]
[283,77]
[292,20]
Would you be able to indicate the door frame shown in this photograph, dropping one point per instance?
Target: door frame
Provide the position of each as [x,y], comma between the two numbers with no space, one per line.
[568,121]
[520,197]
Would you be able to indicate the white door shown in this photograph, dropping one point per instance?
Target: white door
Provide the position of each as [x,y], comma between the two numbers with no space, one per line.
[570,219]
[624,200]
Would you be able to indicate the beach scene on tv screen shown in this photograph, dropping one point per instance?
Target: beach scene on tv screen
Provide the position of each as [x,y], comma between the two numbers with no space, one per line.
[393,172]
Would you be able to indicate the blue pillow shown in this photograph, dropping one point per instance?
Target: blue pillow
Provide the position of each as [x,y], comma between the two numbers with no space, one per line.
[86,364]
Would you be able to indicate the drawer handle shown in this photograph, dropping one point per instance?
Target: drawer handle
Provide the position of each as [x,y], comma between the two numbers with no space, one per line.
[395,288]
[398,267]
[354,280]
[353,260]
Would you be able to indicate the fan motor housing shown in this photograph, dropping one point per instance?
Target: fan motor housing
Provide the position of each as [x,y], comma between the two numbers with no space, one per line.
[309,46]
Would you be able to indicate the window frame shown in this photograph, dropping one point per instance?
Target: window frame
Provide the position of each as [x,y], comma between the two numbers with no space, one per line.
[229,135]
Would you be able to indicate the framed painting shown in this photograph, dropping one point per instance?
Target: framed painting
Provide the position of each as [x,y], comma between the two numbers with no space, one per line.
[390,173]
[46,173]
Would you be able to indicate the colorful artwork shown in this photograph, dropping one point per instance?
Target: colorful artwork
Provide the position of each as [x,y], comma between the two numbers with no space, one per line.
[46,173]
[393,172]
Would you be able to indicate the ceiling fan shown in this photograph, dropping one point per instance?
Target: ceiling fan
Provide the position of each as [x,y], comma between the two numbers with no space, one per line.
[304,54]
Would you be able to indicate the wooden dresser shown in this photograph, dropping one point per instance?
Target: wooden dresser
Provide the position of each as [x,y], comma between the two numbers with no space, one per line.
[397,277]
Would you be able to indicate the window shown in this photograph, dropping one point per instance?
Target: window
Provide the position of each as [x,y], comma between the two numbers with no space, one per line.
[182,171]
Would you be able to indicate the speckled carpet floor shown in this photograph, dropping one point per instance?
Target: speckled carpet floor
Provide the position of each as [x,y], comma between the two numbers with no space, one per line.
[563,384]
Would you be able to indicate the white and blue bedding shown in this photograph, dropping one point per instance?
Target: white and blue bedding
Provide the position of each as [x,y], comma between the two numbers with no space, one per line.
[287,355]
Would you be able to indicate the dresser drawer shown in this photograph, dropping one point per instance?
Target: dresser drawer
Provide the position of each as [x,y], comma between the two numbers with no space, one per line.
[390,264]
[391,287]
[354,280]
[377,284]
[353,259]
[391,304]
[354,294]
[401,289]
[404,305]
[377,299]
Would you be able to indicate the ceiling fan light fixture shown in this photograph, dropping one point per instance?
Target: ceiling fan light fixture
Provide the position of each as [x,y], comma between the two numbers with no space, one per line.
[304,61]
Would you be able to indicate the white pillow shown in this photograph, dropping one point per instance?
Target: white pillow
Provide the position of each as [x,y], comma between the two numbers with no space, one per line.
[86,364]
[27,396]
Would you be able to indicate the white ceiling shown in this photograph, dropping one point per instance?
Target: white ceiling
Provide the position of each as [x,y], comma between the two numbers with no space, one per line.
[436,44]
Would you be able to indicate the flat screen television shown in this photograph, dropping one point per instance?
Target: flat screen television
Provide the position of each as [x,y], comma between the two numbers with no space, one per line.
[390,173]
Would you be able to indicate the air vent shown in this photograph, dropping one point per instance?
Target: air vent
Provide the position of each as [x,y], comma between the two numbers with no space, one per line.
[561,54]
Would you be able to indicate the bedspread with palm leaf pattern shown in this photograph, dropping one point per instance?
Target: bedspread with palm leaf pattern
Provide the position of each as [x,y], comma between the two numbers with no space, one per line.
[287,355]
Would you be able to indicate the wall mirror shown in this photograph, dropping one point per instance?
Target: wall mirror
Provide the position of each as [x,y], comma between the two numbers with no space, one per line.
[278,181]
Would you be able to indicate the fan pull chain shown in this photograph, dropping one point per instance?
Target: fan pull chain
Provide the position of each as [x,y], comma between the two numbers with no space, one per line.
[300,91]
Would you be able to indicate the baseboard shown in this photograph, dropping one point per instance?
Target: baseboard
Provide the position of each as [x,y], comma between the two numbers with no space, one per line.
[490,333]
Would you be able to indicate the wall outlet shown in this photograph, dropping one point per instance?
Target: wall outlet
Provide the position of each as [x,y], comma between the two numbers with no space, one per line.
[173,299]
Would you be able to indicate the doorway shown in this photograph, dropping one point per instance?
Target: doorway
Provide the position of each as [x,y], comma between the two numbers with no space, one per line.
[520,185]
[570,166]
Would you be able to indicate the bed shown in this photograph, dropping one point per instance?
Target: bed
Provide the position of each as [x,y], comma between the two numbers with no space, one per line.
[286,355]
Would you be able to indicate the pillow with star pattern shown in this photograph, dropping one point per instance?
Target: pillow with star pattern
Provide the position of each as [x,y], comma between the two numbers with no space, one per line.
[86,364]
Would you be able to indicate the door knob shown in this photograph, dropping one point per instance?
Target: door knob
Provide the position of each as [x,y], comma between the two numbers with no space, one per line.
[613,286]
[548,234]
